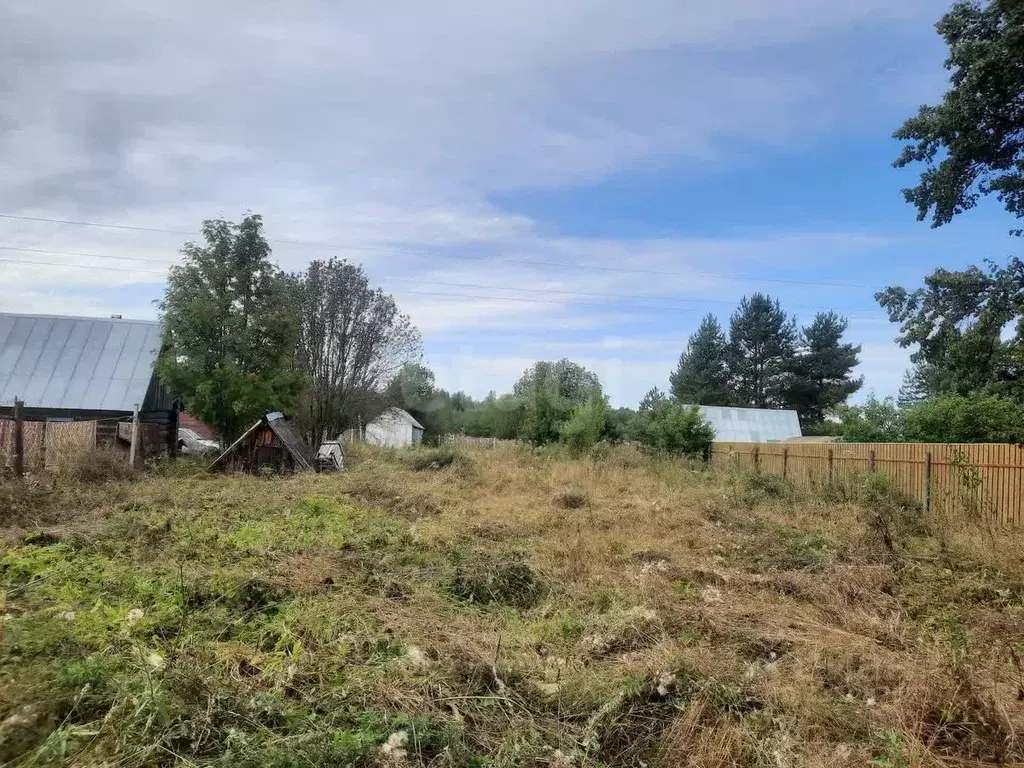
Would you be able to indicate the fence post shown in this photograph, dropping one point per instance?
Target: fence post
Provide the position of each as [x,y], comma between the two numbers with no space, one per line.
[757,458]
[785,462]
[19,439]
[831,462]
[928,482]
[871,461]
[135,437]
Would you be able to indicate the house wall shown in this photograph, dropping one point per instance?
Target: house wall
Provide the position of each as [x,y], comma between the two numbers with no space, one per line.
[390,434]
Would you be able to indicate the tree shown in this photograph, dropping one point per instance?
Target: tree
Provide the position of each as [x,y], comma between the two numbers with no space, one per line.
[876,421]
[823,369]
[965,419]
[978,128]
[549,392]
[967,327]
[702,376]
[762,341]
[586,424]
[653,397]
[229,329]
[353,341]
[672,428]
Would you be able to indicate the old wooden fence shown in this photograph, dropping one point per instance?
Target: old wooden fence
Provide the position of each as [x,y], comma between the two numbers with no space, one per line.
[984,481]
[47,445]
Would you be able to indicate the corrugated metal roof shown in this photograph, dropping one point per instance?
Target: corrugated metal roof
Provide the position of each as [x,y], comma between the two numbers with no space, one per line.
[78,363]
[751,425]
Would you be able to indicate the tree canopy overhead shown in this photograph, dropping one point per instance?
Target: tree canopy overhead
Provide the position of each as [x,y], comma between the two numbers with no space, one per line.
[972,143]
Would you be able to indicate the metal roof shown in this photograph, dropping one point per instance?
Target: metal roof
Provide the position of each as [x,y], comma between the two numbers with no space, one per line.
[751,425]
[396,415]
[76,363]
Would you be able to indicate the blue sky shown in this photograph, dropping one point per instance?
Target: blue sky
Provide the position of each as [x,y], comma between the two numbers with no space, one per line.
[536,180]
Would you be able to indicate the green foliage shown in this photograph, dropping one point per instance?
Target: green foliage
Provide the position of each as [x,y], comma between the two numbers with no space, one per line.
[970,419]
[762,343]
[702,375]
[486,579]
[975,132]
[958,325]
[889,750]
[822,371]
[229,329]
[876,421]
[550,391]
[586,425]
[673,429]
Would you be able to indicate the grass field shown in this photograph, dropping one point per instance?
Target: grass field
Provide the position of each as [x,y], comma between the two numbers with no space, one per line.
[501,608]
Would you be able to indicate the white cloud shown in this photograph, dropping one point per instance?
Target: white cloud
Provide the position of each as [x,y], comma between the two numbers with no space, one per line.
[388,129]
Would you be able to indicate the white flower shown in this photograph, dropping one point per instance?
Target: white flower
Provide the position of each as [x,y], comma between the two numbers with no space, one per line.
[134,615]
[68,615]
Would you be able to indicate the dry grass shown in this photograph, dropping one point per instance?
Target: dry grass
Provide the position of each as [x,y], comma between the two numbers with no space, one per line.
[501,607]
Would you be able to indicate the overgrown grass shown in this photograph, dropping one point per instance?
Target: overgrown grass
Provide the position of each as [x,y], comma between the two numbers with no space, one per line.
[500,608]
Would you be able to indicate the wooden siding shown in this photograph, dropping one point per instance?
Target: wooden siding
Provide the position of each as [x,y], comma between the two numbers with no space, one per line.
[983,481]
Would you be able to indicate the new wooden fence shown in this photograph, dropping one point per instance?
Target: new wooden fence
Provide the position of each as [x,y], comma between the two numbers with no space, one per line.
[979,481]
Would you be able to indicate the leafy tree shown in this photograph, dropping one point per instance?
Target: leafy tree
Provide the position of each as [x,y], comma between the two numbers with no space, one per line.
[353,341]
[959,323]
[496,416]
[586,424]
[978,128]
[823,369]
[229,329]
[618,424]
[702,375]
[965,419]
[549,392]
[918,385]
[762,342]
[876,421]
[672,428]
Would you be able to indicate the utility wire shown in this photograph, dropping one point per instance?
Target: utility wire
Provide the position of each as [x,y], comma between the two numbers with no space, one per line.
[434,254]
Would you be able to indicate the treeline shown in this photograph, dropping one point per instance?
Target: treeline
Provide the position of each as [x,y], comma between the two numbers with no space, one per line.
[554,402]
[767,361]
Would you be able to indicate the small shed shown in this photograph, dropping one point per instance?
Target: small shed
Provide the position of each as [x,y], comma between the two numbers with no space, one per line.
[271,443]
[394,428]
[330,456]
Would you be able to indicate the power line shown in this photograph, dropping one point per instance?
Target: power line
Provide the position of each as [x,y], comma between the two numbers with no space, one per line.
[464,257]
[666,301]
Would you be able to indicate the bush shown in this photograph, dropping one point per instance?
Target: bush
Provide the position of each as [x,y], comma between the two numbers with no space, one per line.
[584,427]
[571,499]
[674,429]
[435,458]
[965,419]
[876,421]
[771,486]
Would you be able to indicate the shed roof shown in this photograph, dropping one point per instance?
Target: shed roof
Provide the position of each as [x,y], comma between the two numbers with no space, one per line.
[397,414]
[751,425]
[76,363]
[285,432]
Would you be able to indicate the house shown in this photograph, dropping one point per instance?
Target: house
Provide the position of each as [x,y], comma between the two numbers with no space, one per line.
[394,429]
[751,425]
[85,369]
[272,443]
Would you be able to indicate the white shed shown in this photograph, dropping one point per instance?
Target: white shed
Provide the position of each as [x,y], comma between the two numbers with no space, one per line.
[394,429]
[751,425]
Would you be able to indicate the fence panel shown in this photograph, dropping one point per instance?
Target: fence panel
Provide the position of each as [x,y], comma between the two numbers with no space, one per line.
[970,481]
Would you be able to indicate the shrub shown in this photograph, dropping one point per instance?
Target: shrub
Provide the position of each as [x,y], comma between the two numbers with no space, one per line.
[967,419]
[876,421]
[768,485]
[674,429]
[435,458]
[585,425]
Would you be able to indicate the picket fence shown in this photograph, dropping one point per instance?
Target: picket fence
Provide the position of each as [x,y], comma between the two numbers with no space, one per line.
[958,480]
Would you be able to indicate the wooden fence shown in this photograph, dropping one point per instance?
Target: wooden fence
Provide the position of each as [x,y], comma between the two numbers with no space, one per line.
[50,444]
[982,481]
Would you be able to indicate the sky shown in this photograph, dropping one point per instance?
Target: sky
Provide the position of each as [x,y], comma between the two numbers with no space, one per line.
[530,180]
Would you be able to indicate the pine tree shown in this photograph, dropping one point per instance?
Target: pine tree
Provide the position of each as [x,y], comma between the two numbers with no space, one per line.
[762,343]
[702,377]
[822,370]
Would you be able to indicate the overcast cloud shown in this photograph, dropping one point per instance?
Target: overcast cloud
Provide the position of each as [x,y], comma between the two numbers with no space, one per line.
[390,129]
